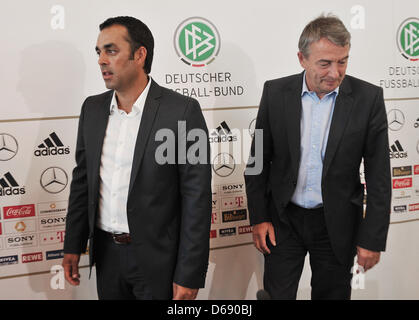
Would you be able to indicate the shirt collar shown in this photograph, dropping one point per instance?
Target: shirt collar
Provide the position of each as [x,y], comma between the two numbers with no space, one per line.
[305,89]
[138,104]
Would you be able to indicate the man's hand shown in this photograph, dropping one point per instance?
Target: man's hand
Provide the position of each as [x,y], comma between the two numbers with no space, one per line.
[183,293]
[71,268]
[259,236]
[366,258]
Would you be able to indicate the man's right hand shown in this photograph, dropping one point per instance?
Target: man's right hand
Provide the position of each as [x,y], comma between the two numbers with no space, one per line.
[259,236]
[71,268]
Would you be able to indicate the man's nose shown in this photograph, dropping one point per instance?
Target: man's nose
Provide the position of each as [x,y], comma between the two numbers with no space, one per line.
[102,59]
[334,71]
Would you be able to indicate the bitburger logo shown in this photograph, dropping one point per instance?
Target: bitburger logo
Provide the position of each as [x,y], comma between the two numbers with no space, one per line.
[8,146]
[9,186]
[51,146]
[54,180]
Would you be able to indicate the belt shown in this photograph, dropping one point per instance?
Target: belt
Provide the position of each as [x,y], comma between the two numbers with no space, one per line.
[293,206]
[118,238]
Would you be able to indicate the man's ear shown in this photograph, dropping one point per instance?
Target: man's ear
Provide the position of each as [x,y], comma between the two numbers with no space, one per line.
[140,55]
[301,58]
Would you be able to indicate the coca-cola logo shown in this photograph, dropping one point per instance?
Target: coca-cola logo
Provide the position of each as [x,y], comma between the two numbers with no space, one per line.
[414,207]
[402,183]
[23,211]
[417,169]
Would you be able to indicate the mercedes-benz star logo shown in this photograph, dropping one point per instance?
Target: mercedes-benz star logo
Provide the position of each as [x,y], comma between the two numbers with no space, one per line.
[395,119]
[54,180]
[223,164]
[8,146]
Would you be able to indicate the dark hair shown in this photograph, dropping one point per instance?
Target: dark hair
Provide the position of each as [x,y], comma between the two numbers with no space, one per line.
[139,36]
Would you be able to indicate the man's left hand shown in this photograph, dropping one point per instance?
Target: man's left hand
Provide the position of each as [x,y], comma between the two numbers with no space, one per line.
[183,293]
[367,258]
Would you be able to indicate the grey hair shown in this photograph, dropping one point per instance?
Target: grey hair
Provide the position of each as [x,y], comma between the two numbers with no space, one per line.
[325,26]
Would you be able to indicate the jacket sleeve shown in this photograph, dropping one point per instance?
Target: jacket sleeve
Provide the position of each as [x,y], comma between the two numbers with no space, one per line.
[77,226]
[196,195]
[257,183]
[374,226]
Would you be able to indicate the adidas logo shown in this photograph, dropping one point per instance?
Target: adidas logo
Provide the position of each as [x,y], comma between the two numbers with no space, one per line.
[222,134]
[51,146]
[397,151]
[9,186]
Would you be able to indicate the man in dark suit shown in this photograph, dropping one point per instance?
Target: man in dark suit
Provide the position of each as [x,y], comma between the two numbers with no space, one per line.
[317,127]
[147,222]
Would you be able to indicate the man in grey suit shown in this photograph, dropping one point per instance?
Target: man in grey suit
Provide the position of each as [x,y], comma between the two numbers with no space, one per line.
[147,222]
[317,127]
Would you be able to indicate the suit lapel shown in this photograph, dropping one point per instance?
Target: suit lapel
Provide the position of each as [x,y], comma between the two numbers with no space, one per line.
[151,107]
[293,108]
[341,115]
[97,134]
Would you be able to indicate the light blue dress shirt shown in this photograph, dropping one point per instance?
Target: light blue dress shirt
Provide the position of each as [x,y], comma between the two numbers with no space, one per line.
[316,117]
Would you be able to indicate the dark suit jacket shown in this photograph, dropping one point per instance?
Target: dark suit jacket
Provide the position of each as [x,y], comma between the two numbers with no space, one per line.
[358,130]
[168,206]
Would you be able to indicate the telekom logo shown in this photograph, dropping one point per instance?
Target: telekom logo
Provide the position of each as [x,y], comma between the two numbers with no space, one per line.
[402,183]
[27,210]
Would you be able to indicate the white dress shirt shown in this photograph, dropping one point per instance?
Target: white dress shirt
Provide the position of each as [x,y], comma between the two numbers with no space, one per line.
[116,163]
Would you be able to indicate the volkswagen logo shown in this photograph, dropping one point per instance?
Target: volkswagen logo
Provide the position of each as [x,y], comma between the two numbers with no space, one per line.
[54,180]
[8,147]
[395,119]
[223,164]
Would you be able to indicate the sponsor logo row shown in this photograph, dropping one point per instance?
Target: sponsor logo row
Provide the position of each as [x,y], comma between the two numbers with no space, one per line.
[406,208]
[32,240]
[397,120]
[28,210]
[30,225]
[52,180]
[31,257]
[406,182]
[397,151]
[405,171]
[50,146]
[233,231]
[236,202]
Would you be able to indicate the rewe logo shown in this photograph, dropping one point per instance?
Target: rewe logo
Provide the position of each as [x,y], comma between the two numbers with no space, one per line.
[408,39]
[51,146]
[397,151]
[222,134]
[197,42]
[9,186]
